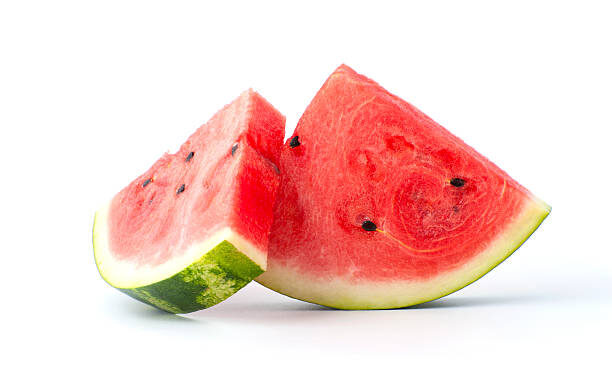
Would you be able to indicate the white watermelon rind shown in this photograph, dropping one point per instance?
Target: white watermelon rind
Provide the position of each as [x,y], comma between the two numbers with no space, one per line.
[202,276]
[342,293]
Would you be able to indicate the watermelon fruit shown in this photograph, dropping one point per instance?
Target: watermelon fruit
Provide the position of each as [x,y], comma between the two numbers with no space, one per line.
[380,207]
[193,229]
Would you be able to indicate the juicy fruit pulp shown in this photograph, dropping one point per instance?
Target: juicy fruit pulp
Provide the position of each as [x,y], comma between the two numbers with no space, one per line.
[194,228]
[380,207]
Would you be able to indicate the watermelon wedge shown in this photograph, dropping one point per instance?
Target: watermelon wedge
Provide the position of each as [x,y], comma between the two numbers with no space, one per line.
[381,207]
[193,229]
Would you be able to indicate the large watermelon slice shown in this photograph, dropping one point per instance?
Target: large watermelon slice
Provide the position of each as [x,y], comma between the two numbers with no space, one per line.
[381,207]
[194,228]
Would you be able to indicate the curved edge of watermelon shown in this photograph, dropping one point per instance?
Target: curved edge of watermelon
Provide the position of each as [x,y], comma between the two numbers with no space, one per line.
[206,274]
[390,295]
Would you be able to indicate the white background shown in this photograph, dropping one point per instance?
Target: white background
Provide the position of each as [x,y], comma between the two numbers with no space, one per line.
[92,93]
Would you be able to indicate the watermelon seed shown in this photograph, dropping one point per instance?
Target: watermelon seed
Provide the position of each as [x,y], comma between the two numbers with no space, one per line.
[189,157]
[234,148]
[181,189]
[457,182]
[368,226]
[144,184]
[294,142]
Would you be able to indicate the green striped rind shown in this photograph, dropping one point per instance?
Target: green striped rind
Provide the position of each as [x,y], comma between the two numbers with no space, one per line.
[220,273]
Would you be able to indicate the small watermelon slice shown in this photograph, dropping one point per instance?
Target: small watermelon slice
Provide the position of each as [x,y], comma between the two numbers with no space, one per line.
[194,228]
[381,207]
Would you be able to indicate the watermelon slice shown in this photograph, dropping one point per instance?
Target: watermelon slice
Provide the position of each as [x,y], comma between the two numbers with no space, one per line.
[194,228]
[381,207]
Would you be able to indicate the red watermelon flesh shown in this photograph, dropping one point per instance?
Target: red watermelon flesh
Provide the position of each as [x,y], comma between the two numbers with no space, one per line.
[219,187]
[381,207]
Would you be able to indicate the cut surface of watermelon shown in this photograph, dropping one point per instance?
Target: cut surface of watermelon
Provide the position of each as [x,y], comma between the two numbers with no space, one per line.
[381,207]
[194,228]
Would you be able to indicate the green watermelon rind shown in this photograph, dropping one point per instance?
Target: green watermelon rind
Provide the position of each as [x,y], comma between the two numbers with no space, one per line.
[217,275]
[340,294]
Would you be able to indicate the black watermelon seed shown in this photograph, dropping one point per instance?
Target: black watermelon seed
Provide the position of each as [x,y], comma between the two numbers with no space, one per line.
[294,142]
[181,189]
[368,226]
[457,182]
[144,184]
[455,208]
[190,156]
[234,148]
